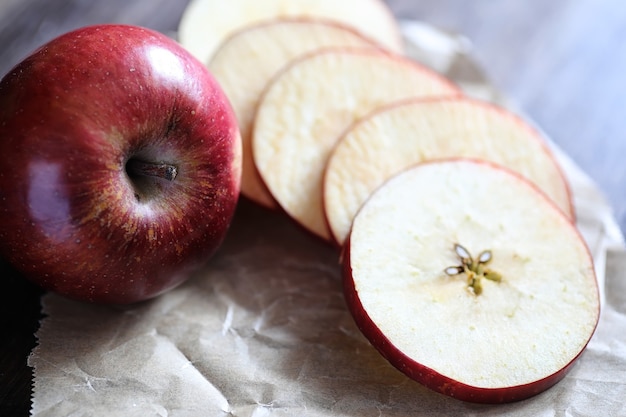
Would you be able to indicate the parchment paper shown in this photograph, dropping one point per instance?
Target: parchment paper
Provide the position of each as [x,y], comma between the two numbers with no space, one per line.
[264,331]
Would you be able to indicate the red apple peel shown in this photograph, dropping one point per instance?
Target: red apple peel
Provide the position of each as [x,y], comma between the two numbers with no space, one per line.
[122,164]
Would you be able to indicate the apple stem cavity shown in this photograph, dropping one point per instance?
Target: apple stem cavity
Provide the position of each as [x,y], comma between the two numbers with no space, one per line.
[163,170]
[474,269]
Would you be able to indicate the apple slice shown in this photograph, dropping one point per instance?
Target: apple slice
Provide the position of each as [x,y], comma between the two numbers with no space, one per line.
[206,23]
[402,134]
[310,103]
[243,73]
[470,281]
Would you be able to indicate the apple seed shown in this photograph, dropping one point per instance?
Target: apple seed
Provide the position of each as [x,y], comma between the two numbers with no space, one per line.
[474,270]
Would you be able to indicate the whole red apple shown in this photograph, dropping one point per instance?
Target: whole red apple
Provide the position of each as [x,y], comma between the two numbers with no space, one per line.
[120,164]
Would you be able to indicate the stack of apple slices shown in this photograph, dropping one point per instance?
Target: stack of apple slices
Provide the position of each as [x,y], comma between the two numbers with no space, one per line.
[403,134]
[246,61]
[303,113]
[205,24]
[462,262]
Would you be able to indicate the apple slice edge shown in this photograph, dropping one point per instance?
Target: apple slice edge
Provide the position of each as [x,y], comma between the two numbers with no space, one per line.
[429,377]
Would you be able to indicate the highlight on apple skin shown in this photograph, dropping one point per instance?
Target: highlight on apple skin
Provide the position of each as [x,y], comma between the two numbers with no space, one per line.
[121,164]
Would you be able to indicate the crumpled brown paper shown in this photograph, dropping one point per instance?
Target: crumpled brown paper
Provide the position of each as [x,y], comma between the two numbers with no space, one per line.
[264,330]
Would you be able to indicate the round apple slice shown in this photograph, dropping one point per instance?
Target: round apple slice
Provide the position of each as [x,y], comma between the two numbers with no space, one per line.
[243,73]
[469,280]
[206,23]
[310,103]
[400,135]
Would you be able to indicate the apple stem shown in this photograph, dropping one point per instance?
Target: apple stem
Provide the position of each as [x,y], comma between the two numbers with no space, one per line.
[163,170]
[474,269]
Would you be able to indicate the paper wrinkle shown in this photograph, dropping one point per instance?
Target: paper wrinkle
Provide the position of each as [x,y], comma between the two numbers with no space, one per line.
[264,330]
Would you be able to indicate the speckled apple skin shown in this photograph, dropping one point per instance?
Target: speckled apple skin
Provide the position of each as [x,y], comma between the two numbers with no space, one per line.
[71,115]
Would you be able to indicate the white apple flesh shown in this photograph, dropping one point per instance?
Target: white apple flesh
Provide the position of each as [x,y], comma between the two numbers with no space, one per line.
[403,134]
[305,109]
[500,327]
[243,73]
[206,23]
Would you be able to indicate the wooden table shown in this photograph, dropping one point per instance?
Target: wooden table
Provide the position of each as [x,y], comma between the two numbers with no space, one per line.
[562,62]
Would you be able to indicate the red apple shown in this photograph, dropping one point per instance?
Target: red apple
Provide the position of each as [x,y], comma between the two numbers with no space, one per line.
[121,164]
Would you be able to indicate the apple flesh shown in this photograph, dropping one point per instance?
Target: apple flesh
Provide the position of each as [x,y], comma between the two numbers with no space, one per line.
[243,73]
[206,23]
[400,135]
[307,106]
[469,280]
[121,164]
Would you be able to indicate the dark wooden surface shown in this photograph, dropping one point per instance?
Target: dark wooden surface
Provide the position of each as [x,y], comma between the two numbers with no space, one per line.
[562,62]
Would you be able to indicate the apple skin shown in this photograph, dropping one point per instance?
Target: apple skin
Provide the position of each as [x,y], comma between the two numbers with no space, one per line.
[72,114]
[429,377]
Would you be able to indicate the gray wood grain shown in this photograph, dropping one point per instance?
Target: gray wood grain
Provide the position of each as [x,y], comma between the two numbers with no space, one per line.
[562,62]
